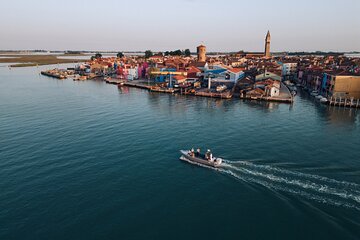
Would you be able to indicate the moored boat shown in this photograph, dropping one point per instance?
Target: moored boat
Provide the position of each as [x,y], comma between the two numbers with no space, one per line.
[314,93]
[205,159]
[324,100]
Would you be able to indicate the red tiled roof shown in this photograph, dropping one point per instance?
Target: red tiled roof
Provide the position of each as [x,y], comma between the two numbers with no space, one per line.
[193,69]
[236,70]
[179,77]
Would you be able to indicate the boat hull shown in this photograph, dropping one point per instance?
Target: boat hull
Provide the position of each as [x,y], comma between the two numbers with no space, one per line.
[189,158]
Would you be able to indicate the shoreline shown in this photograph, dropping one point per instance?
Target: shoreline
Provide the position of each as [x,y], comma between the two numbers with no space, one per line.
[17,60]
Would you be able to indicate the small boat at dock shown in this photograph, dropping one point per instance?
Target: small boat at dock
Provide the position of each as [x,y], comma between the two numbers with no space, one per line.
[324,100]
[205,159]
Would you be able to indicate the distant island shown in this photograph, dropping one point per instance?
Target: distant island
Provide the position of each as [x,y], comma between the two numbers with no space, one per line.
[26,58]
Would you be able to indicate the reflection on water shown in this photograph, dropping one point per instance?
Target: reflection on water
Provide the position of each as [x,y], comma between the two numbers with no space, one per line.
[178,103]
[341,116]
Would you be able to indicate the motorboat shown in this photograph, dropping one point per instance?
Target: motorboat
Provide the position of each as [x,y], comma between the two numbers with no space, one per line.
[314,93]
[324,100]
[221,88]
[205,159]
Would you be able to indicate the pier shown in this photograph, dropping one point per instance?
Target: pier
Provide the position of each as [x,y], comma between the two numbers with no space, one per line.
[137,84]
[223,95]
[56,73]
[163,90]
[268,99]
[115,81]
[344,102]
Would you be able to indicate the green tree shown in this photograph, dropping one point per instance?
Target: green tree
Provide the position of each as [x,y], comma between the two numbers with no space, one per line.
[120,55]
[148,53]
[98,55]
[176,53]
[187,53]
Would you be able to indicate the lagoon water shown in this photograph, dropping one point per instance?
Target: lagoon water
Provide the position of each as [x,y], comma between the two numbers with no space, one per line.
[86,160]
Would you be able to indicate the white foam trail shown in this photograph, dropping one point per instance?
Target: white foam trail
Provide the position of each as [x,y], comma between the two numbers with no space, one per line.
[325,189]
[297,174]
[318,188]
[295,192]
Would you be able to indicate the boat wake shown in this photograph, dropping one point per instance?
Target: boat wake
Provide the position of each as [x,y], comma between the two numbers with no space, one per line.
[314,187]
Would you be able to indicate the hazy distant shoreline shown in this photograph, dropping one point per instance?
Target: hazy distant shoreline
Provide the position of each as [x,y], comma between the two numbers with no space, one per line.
[19,58]
[76,52]
[29,60]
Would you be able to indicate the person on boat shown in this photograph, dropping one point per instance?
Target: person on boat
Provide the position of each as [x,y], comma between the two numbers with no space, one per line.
[197,152]
[208,155]
[192,152]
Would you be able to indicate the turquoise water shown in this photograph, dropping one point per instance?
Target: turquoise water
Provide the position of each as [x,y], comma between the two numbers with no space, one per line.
[86,160]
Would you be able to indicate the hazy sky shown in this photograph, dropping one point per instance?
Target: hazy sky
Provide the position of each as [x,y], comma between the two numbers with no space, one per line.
[222,25]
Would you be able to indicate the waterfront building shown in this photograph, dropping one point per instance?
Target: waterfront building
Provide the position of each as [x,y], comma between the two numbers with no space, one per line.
[273,88]
[132,73]
[179,79]
[289,70]
[234,74]
[341,85]
[311,77]
[193,73]
[267,45]
[99,67]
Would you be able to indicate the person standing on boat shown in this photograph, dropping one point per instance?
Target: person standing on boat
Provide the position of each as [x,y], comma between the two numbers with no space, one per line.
[192,152]
[198,152]
[208,155]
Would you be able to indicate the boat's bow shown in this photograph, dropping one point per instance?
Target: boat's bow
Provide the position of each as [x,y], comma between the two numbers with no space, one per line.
[184,152]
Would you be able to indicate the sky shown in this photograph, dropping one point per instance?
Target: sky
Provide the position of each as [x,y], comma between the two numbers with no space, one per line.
[160,25]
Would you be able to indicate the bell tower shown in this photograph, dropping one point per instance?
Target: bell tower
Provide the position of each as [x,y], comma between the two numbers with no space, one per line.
[267,45]
[201,52]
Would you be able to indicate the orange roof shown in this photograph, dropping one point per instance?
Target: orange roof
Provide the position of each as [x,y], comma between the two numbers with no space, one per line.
[193,69]
[179,77]
[236,70]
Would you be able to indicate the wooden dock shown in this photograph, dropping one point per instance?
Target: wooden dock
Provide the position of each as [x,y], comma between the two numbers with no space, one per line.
[54,74]
[224,95]
[200,93]
[114,81]
[268,99]
[163,90]
[137,85]
[344,102]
